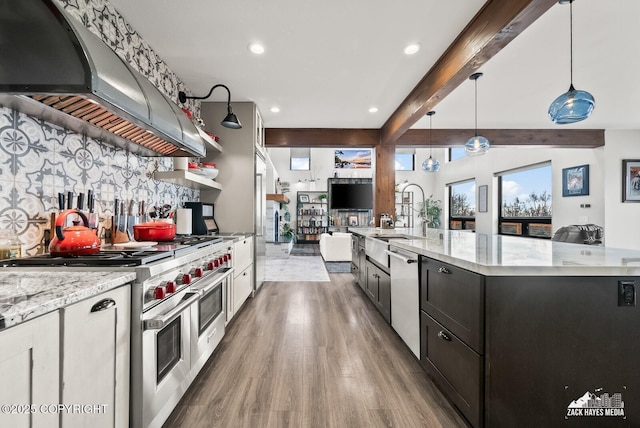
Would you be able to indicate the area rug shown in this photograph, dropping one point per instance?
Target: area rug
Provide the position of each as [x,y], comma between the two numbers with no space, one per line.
[305,250]
[296,268]
[338,267]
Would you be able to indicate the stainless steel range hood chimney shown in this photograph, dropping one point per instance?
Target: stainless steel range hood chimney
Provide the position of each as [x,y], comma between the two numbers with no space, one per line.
[55,69]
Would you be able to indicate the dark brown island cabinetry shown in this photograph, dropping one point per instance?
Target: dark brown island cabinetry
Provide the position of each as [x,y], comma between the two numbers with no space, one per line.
[529,351]
[452,333]
[379,289]
[358,260]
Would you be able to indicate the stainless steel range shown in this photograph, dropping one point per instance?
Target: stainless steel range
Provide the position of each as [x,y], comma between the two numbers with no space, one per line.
[177,314]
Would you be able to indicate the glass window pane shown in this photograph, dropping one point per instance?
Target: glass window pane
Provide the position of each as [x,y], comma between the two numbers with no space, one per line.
[463,199]
[526,193]
[300,164]
[456,153]
[405,161]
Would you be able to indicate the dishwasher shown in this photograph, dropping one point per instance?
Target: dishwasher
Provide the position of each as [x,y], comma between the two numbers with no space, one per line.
[405,302]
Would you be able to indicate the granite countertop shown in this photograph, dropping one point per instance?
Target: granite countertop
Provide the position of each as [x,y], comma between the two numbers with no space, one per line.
[501,255]
[27,294]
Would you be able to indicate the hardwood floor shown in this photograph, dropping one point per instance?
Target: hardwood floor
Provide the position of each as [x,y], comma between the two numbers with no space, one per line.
[312,354]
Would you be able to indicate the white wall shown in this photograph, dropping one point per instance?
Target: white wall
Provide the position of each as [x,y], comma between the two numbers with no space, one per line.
[621,227]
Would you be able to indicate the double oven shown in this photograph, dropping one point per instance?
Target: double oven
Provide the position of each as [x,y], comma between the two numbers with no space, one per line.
[182,320]
[178,314]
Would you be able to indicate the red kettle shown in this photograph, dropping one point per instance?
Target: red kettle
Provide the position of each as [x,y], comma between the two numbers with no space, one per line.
[74,240]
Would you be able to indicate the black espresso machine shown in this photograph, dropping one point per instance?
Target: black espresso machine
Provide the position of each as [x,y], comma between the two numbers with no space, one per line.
[203,221]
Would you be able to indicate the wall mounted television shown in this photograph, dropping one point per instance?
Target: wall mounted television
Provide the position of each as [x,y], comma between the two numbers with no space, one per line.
[351,196]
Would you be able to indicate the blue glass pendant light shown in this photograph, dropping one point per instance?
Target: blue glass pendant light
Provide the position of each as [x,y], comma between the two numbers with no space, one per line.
[476,145]
[574,105]
[431,164]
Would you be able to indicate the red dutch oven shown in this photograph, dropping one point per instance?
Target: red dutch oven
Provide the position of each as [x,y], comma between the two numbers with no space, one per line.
[75,240]
[154,231]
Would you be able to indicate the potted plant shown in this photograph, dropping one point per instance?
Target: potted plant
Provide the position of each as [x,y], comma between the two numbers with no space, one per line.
[323,198]
[430,212]
[287,233]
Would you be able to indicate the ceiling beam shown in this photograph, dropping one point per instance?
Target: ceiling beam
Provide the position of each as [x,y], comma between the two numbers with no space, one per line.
[493,27]
[553,138]
[330,137]
[321,137]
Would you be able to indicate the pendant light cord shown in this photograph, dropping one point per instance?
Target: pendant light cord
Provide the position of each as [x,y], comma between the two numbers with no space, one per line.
[430,129]
[476,107]
[571,41]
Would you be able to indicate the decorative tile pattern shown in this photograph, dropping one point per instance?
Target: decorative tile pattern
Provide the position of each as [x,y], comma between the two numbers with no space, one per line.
[39,159]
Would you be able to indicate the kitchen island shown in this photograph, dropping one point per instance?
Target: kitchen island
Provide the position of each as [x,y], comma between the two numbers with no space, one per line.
[525,332]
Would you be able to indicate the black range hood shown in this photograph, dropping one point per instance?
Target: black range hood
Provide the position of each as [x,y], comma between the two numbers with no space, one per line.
[55,69]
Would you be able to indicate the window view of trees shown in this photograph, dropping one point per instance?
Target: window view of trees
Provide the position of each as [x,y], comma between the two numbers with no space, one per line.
[462,199]
[526,202]
[462,205]
[535,205]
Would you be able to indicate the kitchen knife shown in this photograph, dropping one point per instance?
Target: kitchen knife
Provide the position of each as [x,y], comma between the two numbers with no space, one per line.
[61,201]
[123,215]
[90,200]
[141,210]
[116,217]
[69,200]
[80,201]
[130,220]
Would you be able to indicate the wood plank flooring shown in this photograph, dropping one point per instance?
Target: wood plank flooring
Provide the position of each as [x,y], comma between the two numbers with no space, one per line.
[312,354]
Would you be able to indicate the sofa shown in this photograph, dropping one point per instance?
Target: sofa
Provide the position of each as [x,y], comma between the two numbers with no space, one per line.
[336,247]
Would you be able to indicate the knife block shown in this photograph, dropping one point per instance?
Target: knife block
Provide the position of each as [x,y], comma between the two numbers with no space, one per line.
[117,236]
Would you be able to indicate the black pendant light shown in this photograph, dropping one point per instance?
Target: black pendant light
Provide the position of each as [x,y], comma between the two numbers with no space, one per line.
[574,105]
[431,164]
[230,121]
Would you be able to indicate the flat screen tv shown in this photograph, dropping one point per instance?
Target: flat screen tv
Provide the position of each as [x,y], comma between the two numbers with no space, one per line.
[351,196]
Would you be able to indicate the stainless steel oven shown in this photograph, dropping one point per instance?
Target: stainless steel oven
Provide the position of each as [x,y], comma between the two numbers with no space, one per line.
[166,363]
[208,317]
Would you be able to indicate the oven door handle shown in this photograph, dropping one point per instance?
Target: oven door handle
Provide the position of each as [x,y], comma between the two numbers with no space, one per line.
[160,322]
[215,280]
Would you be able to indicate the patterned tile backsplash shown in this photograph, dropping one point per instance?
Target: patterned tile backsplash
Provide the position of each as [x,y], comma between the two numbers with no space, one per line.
[38,160]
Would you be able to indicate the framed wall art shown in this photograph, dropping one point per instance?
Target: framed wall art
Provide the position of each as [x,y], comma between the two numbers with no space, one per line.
[353,159]
[630,180]
[575,181]
[303,197]
[353,220]
[483,198]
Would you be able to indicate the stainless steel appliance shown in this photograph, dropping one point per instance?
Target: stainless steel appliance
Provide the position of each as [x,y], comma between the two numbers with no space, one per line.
[260,246]
[405,302]
[178,313]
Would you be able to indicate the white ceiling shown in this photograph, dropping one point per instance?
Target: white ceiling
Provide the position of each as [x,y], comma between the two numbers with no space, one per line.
[326,63]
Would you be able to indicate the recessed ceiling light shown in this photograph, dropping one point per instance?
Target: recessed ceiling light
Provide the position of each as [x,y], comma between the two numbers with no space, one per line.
[411,48]
[373,109]
[256,48]
[275,110]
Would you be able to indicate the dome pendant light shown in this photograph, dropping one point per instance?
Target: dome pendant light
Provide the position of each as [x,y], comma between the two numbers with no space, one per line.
[477,145]
[574,105]
[431,164]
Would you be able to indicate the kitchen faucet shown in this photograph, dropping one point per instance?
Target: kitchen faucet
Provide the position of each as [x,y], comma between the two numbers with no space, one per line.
[422,207]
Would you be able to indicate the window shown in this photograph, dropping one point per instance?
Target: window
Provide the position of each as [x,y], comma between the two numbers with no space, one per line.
[405,161]
[456,153]
[462,205]
[525,202]
[300,159]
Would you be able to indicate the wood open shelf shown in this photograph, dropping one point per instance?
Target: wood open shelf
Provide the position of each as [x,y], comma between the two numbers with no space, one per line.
[278,197]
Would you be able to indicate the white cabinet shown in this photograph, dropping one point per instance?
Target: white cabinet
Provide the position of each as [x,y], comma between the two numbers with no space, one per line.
[30,373]
[95,359]
[241,286]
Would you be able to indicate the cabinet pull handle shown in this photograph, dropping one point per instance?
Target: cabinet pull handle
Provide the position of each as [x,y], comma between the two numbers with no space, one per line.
[444,336]
[102,305]
[444,270]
